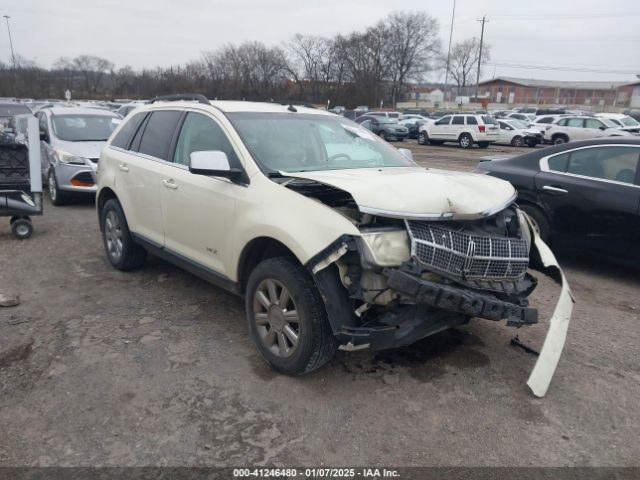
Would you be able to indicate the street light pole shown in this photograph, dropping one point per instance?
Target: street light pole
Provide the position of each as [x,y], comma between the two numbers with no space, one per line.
[13,57]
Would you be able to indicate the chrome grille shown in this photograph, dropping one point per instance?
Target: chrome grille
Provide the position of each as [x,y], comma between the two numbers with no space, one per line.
[467,255]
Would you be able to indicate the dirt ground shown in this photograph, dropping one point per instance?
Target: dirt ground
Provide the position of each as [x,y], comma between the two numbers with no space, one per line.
[155,367]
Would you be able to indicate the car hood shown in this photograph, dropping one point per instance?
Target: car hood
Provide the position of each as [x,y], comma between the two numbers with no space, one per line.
[81,149]
[416,192]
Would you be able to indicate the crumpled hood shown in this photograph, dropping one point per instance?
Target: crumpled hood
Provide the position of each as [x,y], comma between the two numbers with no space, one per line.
[415,192]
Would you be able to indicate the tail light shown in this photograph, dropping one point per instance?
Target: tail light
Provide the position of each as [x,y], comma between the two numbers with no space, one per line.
[482,128]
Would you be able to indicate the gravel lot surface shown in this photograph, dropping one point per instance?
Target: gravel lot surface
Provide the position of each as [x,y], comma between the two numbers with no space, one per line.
[155,367]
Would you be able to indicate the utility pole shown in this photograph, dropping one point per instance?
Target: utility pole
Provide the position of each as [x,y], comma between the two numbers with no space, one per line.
[484,20]
[13,57]
[446,75]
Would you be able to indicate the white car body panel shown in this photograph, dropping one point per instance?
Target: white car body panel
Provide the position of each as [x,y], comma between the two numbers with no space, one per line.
[542,373]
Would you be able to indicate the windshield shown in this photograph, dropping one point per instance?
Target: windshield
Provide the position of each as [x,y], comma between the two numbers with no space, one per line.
[629,122]
[308,142]
[83,128]
[609,123]
[11,110]
[518,124]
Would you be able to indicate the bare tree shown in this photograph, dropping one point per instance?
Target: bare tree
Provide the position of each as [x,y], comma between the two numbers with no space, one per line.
[464,61]
[414,44]
[93,69]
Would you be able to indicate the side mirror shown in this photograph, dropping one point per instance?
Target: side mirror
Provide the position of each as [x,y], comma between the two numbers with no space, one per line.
[602,127]
[406,152]
[213,163]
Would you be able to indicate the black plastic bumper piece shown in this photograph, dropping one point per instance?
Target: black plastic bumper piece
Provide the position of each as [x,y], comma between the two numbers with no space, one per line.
[459,300]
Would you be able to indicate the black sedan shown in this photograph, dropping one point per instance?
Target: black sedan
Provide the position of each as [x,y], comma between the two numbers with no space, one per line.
[387,128]
[580,195]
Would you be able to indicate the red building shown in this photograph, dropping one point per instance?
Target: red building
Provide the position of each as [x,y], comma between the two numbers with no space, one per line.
[510,90]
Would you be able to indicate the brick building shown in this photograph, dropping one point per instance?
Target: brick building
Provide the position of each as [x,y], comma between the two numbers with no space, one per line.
[511,90]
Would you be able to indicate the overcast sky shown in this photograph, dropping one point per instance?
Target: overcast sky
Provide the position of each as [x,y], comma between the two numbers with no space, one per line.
[587,35]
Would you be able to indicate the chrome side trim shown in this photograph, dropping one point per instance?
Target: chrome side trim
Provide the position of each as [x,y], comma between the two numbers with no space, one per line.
[438,216]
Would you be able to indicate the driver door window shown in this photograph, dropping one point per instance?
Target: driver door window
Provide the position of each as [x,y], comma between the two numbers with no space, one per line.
[200,133]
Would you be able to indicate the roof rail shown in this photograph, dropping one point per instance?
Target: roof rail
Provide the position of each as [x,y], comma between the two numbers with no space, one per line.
[182,96]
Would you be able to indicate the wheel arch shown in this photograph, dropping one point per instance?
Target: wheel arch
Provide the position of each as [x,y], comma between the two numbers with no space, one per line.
[104,196]
[258,250]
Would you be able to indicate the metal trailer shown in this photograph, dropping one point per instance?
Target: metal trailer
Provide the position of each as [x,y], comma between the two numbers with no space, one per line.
[20,175]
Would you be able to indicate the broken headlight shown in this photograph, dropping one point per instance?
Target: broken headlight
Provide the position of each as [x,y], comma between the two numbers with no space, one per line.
[385,248]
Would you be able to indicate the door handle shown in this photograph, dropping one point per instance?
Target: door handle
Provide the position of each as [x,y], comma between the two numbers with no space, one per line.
[555,189]
[123,167]
[170,184]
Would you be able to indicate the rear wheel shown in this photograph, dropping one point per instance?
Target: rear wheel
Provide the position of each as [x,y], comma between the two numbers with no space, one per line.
[465,140]
[122,251]
[517,141]
[287,317]
[539,221]
[559,139]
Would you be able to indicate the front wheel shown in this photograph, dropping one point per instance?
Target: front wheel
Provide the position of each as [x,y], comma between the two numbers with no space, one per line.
[517,141]
[560,139]
[57,196]
[287,317]
[123,253]
[423,138]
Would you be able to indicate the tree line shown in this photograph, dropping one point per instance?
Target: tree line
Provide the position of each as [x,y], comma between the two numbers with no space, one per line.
[361,68]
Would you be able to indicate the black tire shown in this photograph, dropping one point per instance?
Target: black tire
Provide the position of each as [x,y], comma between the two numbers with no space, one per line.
[423,138]
[316,342]
[539,220]
[436,142]
[57,196]
[484,144]
[401,139]
[559,139]
[130,255]
[22,228]
[465,141]
[517,141]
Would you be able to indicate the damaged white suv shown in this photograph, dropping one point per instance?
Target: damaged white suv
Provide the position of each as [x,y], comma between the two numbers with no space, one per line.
[334,238]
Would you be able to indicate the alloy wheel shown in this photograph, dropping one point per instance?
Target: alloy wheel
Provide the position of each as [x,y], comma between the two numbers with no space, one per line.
[113,235]
[276,318]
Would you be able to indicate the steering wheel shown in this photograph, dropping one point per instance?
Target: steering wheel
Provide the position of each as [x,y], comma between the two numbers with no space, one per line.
[334,158]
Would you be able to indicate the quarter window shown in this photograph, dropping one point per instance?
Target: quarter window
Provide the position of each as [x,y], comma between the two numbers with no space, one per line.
[558,163]
[619,164]
[158,133]
[200,133]
[123,137]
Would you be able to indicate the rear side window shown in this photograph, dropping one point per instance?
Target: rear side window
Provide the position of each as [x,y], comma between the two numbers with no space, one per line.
[488,120]
[158,133]
[558,163]
[619,164]
[457,120]
[472,121]
[128,130]
[593,123]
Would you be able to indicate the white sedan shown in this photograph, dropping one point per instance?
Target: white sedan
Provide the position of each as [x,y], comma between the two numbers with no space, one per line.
[518,133]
